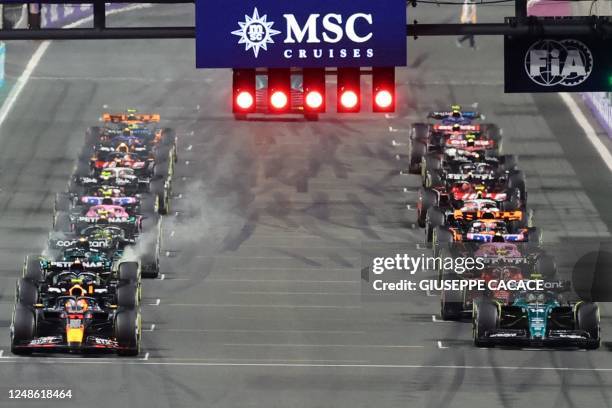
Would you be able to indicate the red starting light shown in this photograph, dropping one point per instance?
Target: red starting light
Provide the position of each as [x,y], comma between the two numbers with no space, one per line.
[383,89]
[314,100]
[383,99]
[243,91]
[279,89]
[279,100]
[349,90]
[314,90]
[245,100]
[349,100]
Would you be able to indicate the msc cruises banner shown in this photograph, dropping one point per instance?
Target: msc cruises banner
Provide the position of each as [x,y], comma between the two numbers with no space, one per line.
[313,33]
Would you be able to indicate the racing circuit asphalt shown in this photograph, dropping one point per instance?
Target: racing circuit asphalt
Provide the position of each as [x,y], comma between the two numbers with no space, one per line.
[260,305]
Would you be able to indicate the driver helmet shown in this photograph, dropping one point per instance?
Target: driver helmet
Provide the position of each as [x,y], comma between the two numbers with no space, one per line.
[123,147]
[76,266]
[82,305]
[70,305]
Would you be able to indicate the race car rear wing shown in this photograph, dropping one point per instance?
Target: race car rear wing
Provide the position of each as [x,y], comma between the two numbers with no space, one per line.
[461,128]
[478,215]
[66,243]
[447,114]
[131,117]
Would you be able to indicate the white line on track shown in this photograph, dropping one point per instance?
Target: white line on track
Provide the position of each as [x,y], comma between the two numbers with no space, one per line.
[435,320]
[390,346]
[294,293]
[162,277]
[151,328]
[275,306]
[287,364]
[590,133]
[157,302]
[281,281]
[146,357]
[440,346]
[262,331]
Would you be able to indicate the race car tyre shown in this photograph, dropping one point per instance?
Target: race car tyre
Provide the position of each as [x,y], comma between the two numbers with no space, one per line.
[127,296]
[150,265]
[492,131]
[432,179]
[516,180]
[32,270]
[128,332]
[432,162]
[434,218]
[62,202]
[508,162]
[92,136]
[441,238]
[27,292]
[161,196]
[23,329]
[587,319]
[420,132]
[427,199]
[545,265]
[168,137]
[83,168]
[128,272]
[485,319]
[62,222]
[417,151]
[534,237]
[162,155]
[451,304]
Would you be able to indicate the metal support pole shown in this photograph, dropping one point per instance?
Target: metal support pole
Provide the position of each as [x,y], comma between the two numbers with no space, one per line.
[520,10]
[99,14]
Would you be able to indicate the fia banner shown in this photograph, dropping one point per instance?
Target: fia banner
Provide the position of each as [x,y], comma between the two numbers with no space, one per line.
[313,33]
[557,64]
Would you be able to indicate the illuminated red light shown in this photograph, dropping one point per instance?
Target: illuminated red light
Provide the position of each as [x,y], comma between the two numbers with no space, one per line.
[314,100]
[244,100]
[384,99]
[349,99]
[279,100]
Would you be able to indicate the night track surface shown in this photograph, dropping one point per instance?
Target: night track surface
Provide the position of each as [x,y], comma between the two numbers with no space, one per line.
[260,303]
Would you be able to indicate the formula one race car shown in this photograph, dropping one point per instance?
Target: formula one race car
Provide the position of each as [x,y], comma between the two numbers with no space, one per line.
[74,311]
[98,215]
[106,241]
[536,319]
[502,262]
[459,194]
[437,169]
[479,221]
[455,130]
[105,195]
[132,128]
[127,182]
[143,165]
[484,230]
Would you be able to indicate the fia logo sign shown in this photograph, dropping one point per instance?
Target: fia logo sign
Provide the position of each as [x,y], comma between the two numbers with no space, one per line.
[565,62]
